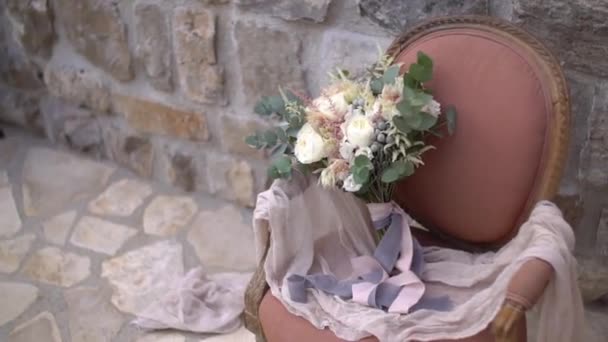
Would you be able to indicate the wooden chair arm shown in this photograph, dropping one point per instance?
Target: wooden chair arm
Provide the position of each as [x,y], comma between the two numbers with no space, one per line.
[524,290]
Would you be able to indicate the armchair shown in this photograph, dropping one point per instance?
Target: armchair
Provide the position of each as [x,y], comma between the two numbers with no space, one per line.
[480,184]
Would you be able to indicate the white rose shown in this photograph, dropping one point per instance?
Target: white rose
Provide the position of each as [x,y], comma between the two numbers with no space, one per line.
[360,131]
[347,151]
[332,107]
[350,185]
[433,108]
[310,146]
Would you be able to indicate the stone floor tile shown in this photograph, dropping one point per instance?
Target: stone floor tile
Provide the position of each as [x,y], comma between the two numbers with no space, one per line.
[222,241]
[40,328]
[52,179]
[8,147]
[91,316]
[121,198]
[241,335]
[598,322]
[12,252]
[57,228]
[166,215]
[4,181]
[143,275]
[100,236]
[52,266]
[16,298]
[10,222]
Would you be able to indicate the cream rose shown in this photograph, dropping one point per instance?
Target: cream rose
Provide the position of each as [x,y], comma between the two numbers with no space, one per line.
[360,131]
[332,107]
[310,146]
[327,178]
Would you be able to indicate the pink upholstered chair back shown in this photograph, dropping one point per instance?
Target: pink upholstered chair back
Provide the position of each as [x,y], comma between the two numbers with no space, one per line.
[510,142]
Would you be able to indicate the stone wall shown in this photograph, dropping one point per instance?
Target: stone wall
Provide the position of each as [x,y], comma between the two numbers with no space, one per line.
[166,88]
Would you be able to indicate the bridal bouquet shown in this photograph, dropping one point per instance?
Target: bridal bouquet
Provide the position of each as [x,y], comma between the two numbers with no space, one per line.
[361,135]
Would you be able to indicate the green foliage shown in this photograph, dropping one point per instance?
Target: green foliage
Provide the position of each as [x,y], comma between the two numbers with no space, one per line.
[397,171]
[376,85]
[269,105]
[401,124]
[391,74]
[362,168]
[416,98]
[280,167]
[451,116]
[403,138]
[422,70]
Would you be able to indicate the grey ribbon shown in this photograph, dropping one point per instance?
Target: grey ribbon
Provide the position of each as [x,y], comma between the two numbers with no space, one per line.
[387,254]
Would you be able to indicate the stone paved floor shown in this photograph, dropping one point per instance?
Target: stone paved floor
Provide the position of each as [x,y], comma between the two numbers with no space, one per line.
[80,240]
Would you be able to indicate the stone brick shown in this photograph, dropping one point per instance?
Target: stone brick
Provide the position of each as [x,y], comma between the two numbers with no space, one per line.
[338,50]
[230,179]
[346,15]
[70,125]
[82,87]
[592,279]
[18,71]
[152,44]
[77,128]
[183,172]
[194,42]
[97,32]
[127,148]
[32,25]
[233,134]
[240,178]
[398,15]
[155,118]
[138,154]
[602,235]
[582,89]
[205,84]
[576,30]
[182,165]
[571,206]
[595,153]
[268,58]
[84,135]
[314,10]
[21,108]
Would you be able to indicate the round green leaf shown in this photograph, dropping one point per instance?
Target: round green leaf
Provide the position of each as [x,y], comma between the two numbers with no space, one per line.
[270,138]
[391,74]
[451,116]
[283,165]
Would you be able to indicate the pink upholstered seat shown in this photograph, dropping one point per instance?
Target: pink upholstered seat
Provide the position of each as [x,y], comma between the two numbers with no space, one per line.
[281,326]
[478,184]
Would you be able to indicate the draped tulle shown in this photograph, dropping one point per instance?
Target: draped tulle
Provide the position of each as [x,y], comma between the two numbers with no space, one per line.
[315,231]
